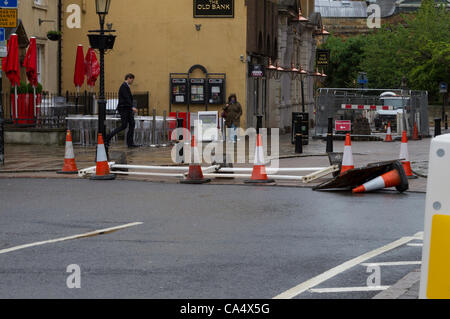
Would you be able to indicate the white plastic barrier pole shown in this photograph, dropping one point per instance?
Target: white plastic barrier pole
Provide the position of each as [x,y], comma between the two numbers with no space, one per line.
[435,273]
[148,174]
[280,177]
[160,168]
[270,170]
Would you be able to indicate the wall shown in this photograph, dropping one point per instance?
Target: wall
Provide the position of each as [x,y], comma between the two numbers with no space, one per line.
[30,13]
[155,38]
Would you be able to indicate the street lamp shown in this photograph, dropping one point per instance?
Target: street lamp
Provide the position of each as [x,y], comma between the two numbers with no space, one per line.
[303,74]
[102,42]
[102,9]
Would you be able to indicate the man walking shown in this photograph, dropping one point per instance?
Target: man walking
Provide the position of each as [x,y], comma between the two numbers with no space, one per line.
[126,111]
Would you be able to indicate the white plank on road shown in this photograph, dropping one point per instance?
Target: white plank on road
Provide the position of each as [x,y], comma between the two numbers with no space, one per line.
[79,236]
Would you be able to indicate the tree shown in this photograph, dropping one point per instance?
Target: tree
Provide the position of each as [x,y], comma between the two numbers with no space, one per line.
[345,59]
[418,48]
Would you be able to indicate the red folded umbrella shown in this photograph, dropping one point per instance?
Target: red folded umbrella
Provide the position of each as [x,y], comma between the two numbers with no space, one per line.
[78,78]
[10,64]
[92,67]
[30,63]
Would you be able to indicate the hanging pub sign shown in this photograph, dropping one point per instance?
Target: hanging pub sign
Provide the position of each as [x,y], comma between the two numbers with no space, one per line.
[213,8]
[323,56]
[256,71]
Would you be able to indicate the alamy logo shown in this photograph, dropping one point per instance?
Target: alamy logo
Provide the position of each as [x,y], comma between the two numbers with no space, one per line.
[374,280]
[374,16]
[74,279]
[73,20]
[220,153]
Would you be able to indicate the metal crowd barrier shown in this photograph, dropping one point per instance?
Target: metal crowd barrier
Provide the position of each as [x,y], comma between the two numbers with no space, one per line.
[154,131]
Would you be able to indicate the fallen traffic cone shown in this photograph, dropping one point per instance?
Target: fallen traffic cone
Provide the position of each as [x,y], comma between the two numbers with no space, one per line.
[259,174]
[347,160]
[388,134]
[404,156]
[70,167]
[102,171]
[195,175]
[395,178]
[415,136]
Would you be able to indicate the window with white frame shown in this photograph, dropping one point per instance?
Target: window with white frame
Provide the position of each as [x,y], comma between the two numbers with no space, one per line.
[40,60]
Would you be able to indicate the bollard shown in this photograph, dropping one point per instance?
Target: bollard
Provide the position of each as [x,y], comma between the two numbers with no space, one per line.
[180,124]
[330,136]
[435,276]
[446,122]
[259,119]
[165,139]
[154,129]
[437,127]
[298,136]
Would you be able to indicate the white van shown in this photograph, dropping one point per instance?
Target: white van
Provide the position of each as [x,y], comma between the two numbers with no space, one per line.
[383,117]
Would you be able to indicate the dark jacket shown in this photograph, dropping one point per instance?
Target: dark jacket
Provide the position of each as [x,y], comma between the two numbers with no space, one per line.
[125,97]
[234,113]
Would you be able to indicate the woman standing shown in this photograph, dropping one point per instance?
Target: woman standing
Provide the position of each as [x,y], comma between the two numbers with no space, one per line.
[233,113]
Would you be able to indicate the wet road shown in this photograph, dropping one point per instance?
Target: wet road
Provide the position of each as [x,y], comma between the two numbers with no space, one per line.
[197,241]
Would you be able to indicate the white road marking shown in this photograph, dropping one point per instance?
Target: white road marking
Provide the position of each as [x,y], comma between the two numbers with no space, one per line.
[415,245]
[393,263]
[348,289]
[297,290]
[79,236]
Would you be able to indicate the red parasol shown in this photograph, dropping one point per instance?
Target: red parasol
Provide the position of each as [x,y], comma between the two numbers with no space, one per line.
[30,63]
[92,67]
[78,78]
[10,64]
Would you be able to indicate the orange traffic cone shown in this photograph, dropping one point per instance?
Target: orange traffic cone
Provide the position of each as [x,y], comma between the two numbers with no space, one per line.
[195,175]
[404,156]
[347,160]
[415,136]
[259,174]
[70,167]
[388,133]
[102,170]
[395,178]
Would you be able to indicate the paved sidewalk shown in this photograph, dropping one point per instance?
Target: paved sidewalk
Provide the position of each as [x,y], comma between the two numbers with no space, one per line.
[406,288]
[44,161]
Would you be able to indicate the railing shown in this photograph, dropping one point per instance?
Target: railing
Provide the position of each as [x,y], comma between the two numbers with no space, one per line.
[49,110]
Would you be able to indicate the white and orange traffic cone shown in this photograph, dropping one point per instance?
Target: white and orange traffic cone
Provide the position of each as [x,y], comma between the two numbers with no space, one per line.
[102,171]
[415,136]
[404,156]
[395,178]
[195,175]
[347,160]
[70,167]
[259,174]
[388,133]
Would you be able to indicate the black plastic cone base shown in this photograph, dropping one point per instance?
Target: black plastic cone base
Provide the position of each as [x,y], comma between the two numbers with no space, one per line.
[412,177]
[108,177]
[404,184]
[258,181]
[195,181]
[67,173]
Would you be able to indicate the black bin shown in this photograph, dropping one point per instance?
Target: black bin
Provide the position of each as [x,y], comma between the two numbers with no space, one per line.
[303,118]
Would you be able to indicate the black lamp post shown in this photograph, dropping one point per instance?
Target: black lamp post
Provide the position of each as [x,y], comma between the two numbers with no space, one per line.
[102,42]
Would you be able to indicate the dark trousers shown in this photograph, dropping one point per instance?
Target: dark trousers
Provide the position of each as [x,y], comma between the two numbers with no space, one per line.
[127,120]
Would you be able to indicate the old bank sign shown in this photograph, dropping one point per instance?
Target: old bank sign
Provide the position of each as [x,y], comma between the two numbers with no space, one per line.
[213,8]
